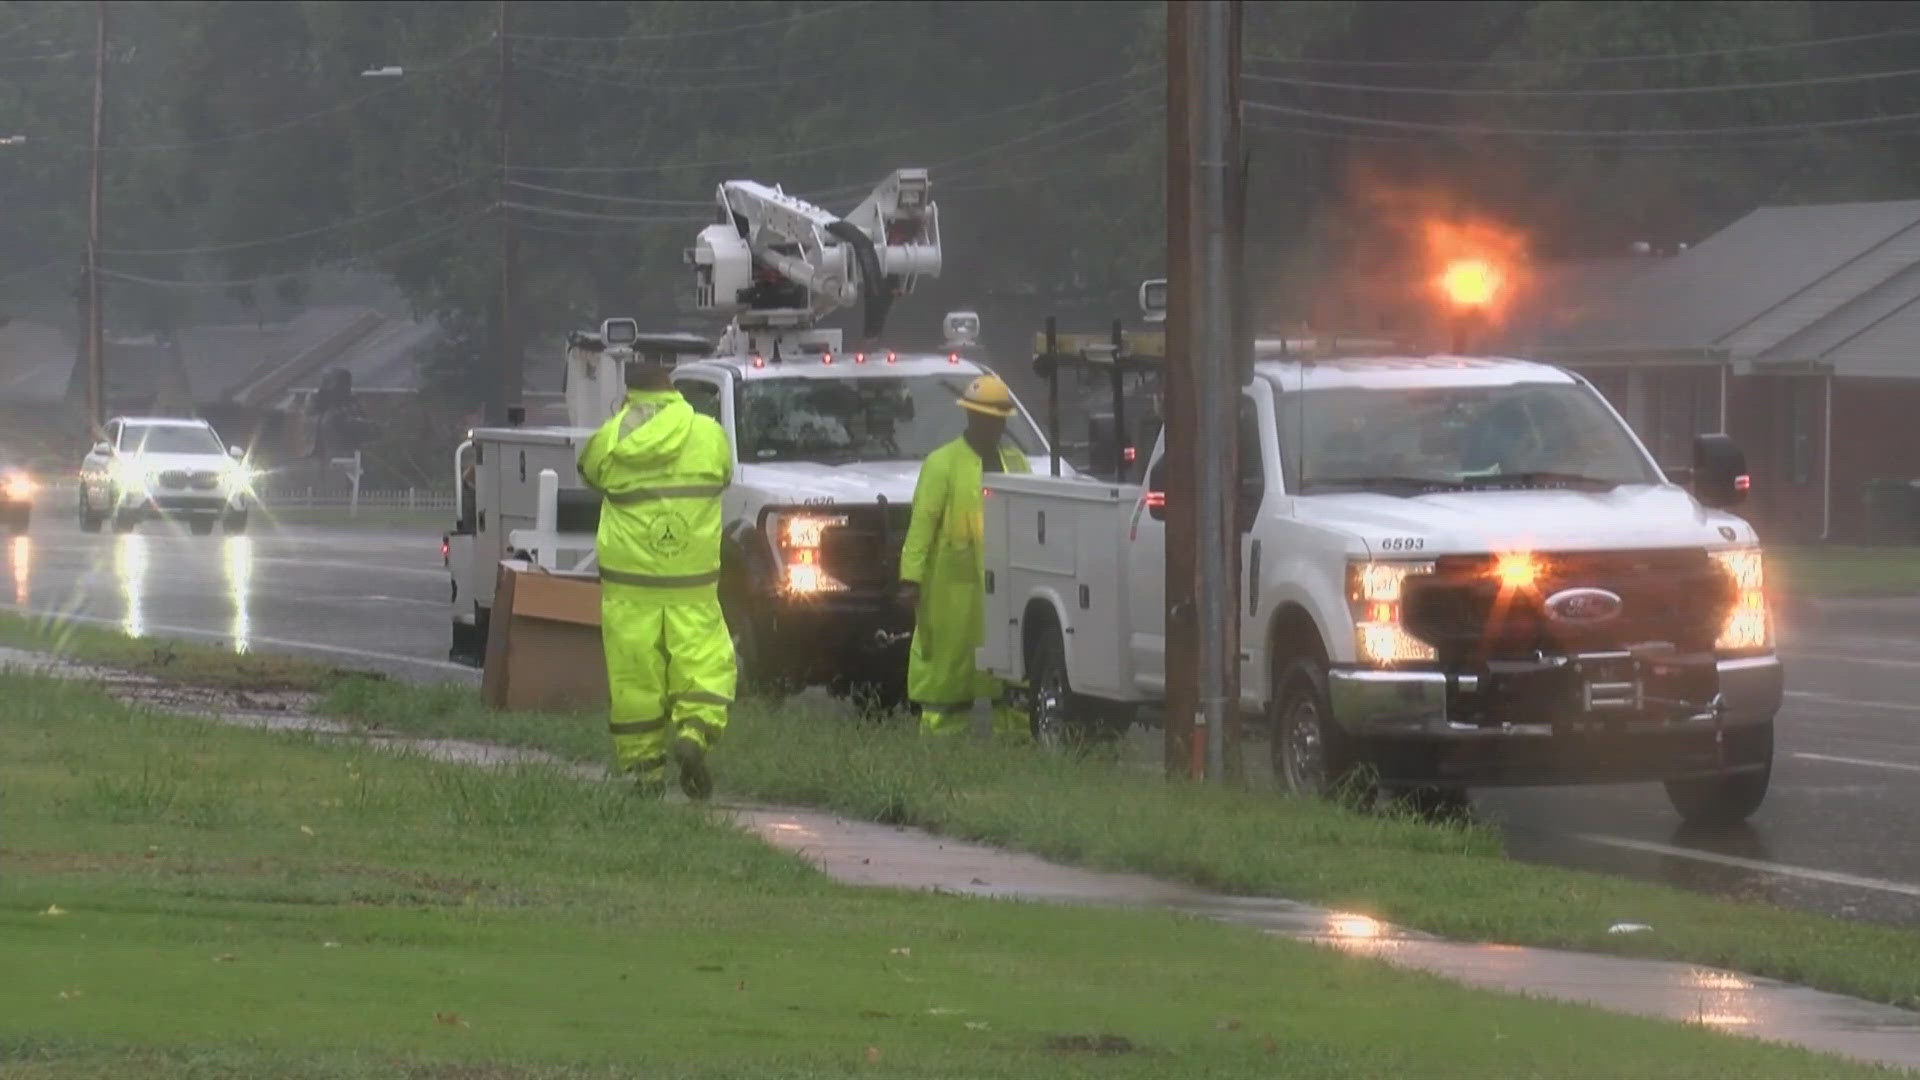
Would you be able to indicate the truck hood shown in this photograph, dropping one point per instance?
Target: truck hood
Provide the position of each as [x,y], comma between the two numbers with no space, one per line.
[1474,522]
[859,482]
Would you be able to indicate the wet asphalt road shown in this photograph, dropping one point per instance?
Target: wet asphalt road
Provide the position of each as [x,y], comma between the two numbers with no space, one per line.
[1840,832]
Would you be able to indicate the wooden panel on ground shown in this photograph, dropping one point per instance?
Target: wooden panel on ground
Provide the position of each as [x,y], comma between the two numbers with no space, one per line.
[543,643]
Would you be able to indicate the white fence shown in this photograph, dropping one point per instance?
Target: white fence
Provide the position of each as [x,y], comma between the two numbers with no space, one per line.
[328,498]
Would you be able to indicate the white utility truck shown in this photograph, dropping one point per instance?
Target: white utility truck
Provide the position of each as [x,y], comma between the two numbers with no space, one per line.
[1455,571]
[827,441]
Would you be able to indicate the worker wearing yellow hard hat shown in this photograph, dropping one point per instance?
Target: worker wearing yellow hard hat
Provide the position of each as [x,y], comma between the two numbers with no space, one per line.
[943,567]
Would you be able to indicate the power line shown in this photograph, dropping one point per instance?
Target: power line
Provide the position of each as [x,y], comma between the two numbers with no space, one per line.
[1580,133]
[868,140]
[1577,61]
[379,253]
[656,88]
[600,197]
[587,215]
[297,121]
[1687,146]
[683,35]
[68,54]
[1650,91]
[318,230]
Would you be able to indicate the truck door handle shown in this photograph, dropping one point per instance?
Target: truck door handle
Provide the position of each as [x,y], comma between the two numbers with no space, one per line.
[1041,519]
[989,583]
[1253,580]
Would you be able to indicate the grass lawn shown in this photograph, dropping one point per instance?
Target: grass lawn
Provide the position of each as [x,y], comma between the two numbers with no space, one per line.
[1831,573]
[187,900]
[1452,880]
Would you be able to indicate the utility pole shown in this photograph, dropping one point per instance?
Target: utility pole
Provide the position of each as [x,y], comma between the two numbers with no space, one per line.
[1206,369]
[96,338]
[1185,744]
[508,361]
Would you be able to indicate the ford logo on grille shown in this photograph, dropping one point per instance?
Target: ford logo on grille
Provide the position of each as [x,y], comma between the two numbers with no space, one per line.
[1583,607]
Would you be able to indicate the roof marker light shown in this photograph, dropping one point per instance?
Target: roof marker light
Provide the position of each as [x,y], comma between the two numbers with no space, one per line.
[953,358]
[893,358]
[759,361]
[826,358]
[859,358]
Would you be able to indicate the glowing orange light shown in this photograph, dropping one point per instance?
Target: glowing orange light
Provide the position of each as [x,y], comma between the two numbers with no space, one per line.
[1471,282]
[1516,571]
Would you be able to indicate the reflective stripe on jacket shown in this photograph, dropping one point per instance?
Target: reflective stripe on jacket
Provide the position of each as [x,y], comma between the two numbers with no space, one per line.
[660,468]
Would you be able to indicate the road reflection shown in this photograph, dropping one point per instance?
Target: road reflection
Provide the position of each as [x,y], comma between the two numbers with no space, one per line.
[20,559]
[130,558]
[236,556]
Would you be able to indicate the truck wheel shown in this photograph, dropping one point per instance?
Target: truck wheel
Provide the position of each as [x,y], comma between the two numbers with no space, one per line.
[235,523]
[750,662]
[1312,757]
[201,526]
[1720,801]
[1057,717]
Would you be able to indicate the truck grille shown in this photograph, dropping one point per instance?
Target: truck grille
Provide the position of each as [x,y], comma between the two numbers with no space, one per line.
[1678,597]
[865,552]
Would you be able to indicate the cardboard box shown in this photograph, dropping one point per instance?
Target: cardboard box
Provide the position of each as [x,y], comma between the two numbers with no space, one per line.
[543,643]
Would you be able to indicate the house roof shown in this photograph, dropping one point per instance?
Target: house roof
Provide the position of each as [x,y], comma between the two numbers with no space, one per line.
[1792,284]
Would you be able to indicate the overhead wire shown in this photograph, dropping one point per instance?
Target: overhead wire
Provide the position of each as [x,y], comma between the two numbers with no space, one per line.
[587,215]
[602,197]
[867,140]
[717,31]
[653,88]
[1583,92]
[434,233]
[1464,128]
[344,223]
[1589,61]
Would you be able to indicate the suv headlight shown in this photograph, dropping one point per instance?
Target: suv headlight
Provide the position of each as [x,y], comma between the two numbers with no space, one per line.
[18,486]
[797,538]
[1374,592]
[1749,626]
[239,477]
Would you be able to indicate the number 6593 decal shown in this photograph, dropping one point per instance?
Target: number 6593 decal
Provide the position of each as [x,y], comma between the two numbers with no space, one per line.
[1403,543]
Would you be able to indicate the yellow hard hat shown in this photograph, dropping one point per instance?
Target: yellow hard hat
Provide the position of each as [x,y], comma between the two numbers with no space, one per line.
[988,394]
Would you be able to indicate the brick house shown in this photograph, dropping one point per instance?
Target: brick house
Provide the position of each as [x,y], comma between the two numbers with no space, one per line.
[1795,329]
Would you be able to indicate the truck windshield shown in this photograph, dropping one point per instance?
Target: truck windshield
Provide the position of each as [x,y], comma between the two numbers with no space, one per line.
[1414,440]
[861,418]
[169,439]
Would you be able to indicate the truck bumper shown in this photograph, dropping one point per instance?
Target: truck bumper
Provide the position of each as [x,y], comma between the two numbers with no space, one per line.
[818,640]
[1583,719]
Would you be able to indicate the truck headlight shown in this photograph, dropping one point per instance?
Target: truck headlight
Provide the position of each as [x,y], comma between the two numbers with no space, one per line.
[18,486]
[798,538]
[1374,591]
[1749,626]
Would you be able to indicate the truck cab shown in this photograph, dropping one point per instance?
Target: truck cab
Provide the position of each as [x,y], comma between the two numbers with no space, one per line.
[1454,572]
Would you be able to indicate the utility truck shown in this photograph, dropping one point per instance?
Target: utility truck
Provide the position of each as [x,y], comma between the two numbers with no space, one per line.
[827,441]
[1455,571]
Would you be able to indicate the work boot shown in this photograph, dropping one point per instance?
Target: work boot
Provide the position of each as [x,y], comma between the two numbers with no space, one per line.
[695,780]
[651,784]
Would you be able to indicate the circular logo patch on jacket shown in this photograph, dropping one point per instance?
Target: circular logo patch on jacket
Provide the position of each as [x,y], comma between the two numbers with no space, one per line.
[668,533]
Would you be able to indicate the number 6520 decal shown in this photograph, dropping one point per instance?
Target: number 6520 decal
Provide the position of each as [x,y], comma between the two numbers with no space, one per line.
[1403,543]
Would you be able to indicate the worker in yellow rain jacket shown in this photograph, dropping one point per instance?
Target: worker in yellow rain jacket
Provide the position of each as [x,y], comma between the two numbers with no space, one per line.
[660,468]
[943,567]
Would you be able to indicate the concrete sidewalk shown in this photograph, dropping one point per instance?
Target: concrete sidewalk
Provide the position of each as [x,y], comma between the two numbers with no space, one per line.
[860,853]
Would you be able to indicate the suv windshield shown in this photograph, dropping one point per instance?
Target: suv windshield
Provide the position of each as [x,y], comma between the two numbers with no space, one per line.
[168,439]
[858,418]
[1404,440]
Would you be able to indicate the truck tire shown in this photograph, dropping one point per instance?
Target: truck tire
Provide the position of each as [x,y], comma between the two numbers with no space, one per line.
[753,674]
[1729,799]
[1058,718]
[201,526]
[1312,756]
[235,523]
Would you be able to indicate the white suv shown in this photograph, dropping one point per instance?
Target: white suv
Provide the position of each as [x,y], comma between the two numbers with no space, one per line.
[150,467]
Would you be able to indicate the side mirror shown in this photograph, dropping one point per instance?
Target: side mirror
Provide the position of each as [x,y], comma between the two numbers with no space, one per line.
[102,449]
[1157,491]
[236,453]
[1720,478]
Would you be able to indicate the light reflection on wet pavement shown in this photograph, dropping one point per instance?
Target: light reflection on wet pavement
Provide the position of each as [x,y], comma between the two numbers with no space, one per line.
[877,855]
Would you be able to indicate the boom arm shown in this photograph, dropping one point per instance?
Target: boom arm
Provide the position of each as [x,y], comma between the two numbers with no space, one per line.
[780,263]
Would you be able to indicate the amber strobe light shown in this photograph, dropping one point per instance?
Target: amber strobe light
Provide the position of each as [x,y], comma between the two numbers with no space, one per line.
[1749,627]
[799,537]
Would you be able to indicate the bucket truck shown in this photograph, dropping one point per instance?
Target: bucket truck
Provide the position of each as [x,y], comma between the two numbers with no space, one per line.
[827,440]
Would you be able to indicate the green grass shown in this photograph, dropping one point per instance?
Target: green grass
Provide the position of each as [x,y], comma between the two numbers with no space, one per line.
[1846,572]
[1452,880]
[184,900]
[176,661]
